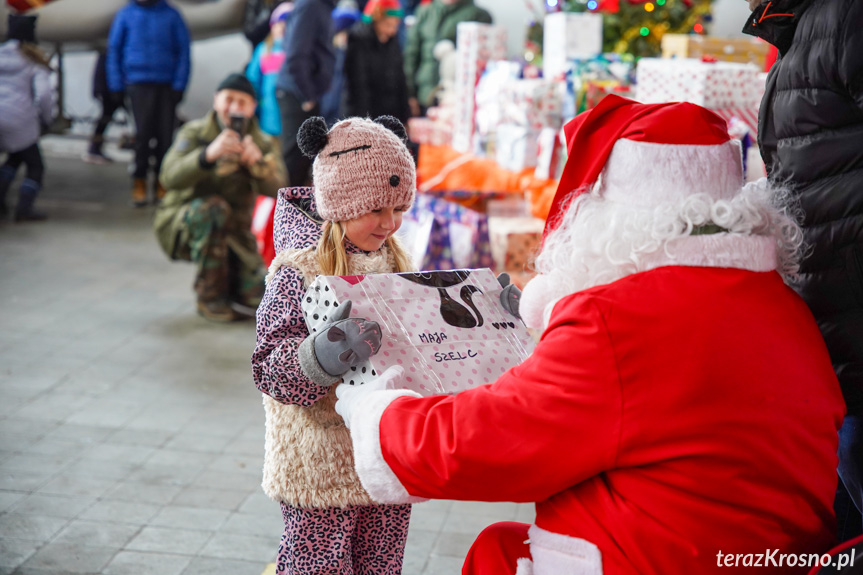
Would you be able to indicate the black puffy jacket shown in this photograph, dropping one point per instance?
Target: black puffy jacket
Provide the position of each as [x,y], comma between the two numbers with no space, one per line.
[374,76]
[810,133]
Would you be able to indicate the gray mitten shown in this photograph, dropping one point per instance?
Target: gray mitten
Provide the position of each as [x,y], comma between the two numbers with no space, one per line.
[342,344]
[510,296]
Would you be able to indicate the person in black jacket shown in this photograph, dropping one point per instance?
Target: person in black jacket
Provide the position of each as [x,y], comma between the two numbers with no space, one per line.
[111,102]
[304,77]
[810,132]
[374,70]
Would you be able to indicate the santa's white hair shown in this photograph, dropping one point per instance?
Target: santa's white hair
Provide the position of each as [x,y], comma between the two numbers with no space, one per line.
[599,241]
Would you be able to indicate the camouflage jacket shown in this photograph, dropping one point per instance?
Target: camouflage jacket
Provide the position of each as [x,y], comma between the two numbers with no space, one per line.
[186,179]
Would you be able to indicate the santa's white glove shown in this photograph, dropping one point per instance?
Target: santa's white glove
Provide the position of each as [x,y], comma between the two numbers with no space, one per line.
[351,397]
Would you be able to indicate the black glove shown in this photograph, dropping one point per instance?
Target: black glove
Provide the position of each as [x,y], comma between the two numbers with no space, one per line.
[176,97]
[345,343]
[510,296]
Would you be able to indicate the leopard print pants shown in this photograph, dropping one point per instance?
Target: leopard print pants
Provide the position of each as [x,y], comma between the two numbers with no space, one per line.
[360,540]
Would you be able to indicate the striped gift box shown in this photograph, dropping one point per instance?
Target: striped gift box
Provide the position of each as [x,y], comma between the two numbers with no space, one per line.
[748,116]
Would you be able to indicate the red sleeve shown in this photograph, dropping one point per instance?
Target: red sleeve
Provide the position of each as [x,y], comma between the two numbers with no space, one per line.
[545,425]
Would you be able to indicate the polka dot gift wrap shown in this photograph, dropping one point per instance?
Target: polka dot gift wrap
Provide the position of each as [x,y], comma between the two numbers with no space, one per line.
[446,328]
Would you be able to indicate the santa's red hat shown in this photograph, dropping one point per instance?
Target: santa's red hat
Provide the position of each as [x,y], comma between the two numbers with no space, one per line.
[647,154]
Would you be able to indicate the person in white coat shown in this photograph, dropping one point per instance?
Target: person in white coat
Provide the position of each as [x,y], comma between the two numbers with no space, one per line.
[26,104]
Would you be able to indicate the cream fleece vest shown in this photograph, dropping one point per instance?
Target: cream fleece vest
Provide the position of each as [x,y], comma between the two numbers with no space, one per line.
[309,460]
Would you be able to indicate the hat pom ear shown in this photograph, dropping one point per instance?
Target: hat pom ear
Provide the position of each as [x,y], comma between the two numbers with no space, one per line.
[312,136]
[394,125]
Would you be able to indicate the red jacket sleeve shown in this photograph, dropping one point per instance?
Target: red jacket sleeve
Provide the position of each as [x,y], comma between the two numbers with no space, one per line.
[544,426]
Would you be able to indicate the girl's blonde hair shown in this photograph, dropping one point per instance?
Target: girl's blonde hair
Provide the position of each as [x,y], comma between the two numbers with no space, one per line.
[333,258]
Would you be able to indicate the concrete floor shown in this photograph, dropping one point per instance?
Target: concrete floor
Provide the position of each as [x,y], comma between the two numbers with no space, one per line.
[131,434]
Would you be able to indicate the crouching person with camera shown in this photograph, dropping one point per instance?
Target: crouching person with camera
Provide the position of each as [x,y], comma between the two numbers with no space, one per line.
[212,173]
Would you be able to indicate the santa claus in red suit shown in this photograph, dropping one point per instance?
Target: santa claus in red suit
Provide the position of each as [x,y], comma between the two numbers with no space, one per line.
[680,412]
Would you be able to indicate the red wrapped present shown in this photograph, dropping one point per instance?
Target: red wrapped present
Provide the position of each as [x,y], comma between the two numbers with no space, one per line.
[262,227]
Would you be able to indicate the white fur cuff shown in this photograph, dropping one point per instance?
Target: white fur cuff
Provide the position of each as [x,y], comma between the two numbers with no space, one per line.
[375,475]
[555,554]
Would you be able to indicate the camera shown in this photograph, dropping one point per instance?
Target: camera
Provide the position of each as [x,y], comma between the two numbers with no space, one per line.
[238,124]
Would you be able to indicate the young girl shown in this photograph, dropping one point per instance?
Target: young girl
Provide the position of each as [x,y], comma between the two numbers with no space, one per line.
[365,179]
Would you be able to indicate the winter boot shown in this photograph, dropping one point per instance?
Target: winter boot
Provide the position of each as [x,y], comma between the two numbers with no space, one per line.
[95,155]
[139,193]
[26,197]
[216,310]
[7,174]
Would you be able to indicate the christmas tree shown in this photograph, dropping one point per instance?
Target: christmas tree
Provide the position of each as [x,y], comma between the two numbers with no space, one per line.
[636,26]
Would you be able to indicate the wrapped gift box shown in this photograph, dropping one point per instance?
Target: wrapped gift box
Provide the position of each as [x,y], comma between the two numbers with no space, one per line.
[534,103]
[497,77]
[477,44]
[715,85]
[428,131]
[549,149]
[447,329]
[445,235]
[568,36]
[595,90]
[515,242]
[744,50]
[516,147]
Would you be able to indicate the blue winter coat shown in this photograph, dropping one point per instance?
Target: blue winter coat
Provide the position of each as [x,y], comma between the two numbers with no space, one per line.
[148,45]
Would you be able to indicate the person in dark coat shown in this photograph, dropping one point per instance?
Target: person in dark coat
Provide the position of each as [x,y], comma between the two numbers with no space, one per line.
[345,16]
[304,78]
[810,132]
[111,102]
[374,70]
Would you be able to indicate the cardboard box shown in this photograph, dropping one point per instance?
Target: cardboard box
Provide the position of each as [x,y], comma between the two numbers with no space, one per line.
[744,50]
[568,36]
[713,85]
[446,328]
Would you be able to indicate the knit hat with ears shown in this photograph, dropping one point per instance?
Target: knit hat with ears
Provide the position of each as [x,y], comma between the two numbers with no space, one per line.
[360,165]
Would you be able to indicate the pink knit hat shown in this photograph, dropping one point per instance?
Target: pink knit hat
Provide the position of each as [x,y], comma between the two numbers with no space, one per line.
[360,165]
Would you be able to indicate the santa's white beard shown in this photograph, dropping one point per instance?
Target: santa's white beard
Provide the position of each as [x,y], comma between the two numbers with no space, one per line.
[599,241]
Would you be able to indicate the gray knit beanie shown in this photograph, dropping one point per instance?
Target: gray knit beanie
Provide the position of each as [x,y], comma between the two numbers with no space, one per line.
[360,165]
